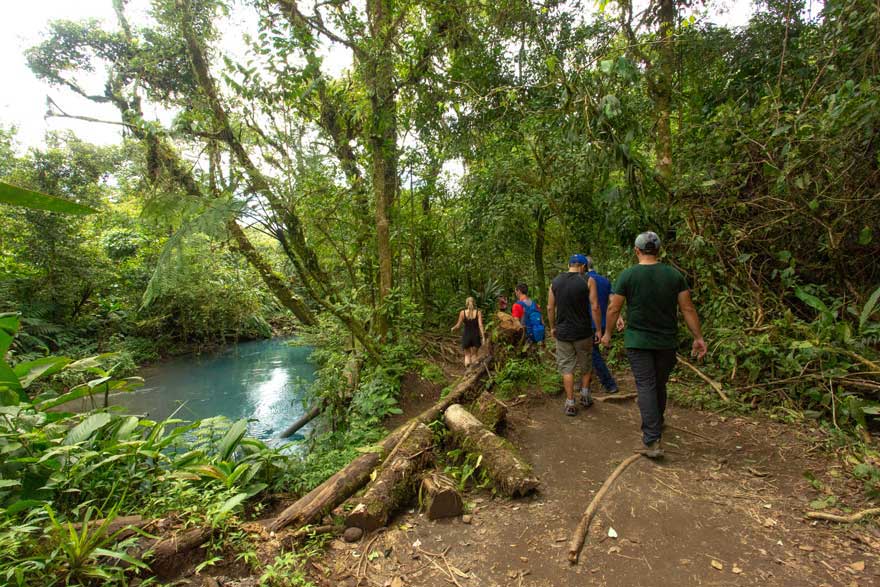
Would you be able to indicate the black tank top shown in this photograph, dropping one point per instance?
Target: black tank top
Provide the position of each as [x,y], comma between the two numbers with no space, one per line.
[572,295]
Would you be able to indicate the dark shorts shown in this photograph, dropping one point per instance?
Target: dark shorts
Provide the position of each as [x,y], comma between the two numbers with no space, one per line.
[471,340]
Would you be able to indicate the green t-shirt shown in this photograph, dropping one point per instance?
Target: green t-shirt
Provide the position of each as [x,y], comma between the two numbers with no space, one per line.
[651,293]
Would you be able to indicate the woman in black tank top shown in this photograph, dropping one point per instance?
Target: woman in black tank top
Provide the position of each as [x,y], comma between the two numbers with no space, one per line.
[472,336]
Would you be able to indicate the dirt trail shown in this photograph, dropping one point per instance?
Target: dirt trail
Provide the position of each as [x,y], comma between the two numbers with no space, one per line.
[735,501]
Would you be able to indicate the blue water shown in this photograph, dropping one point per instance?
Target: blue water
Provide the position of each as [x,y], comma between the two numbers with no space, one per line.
[261,380]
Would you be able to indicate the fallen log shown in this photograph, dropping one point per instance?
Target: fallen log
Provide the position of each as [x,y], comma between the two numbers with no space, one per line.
[439,497]
[305,419]
[162,555]
[511,474]
[489,410]
[395,484]
[126,524]
[345,482]
[580,533]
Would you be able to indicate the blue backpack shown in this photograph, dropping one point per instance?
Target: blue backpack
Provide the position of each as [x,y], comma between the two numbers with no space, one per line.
[533,322]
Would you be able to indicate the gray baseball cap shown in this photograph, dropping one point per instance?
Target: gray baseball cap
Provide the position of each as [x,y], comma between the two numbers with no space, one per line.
[648,242]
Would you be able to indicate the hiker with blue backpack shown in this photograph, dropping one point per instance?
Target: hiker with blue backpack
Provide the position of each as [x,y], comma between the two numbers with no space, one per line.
[603,291]
[527,311]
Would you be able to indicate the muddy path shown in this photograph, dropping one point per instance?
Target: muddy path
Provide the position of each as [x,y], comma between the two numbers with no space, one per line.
[723,508]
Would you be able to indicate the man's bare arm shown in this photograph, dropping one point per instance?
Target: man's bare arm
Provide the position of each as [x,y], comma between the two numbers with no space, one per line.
[689,312]
[551,312]
[595,308]
[611,316]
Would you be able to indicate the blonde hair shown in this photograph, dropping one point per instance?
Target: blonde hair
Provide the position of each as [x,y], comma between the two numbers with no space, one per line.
[470,305]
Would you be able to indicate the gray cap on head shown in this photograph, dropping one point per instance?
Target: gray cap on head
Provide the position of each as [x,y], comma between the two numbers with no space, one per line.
[648,242]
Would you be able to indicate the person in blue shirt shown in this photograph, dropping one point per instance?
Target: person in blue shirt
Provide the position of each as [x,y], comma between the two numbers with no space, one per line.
[603,288]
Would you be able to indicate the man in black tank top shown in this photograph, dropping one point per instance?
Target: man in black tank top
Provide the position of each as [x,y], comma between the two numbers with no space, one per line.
[568,301]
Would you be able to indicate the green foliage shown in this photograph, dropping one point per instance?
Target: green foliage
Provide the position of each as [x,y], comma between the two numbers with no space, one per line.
[287,570]
[464,467]
[516,374]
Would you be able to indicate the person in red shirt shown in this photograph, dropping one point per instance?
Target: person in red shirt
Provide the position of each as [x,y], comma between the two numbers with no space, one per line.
[522,295]
[528,312]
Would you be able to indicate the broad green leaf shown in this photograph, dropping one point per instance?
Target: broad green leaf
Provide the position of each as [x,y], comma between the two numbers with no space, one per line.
[87,427]
[10,194]
[8,327]
[813,302]
[121,556]
[10,383]
[231,439]
[231,503]
[80,391]
[127,428]
[23,504]
[868,308]
[30,371]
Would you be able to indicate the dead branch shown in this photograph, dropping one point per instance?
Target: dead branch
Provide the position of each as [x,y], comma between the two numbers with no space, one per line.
[843,519]
[712,383]
[580,533]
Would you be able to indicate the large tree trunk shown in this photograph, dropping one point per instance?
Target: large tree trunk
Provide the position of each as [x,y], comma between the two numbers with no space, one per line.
[663,88]
[538,293]
[379,80]
[326,496]
[510,473]
[395,483]
[272,280]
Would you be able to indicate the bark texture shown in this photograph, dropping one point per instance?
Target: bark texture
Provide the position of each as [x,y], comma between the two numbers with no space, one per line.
[396,481]
[510,473]
[439,497]
[490,411]
[332,492]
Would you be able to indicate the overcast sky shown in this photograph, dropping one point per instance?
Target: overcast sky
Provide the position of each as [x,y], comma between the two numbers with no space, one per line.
[23,97]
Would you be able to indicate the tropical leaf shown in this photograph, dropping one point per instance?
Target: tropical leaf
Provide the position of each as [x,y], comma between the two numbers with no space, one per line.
[10,383]
[80,391]
[231,504]
[87,427]
[868,308]
[231,439]
[8,327]
[10,194]
[30,371]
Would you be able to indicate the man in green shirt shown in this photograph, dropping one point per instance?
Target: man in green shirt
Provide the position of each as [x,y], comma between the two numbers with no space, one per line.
[654,292]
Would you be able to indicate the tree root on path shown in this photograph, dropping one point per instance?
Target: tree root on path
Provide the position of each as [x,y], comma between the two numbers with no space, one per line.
[843,519]
[580,533]
[686,431]
[617,397]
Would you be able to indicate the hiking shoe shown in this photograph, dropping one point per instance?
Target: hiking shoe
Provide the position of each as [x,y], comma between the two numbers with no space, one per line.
[586,399]
[612,390]
[570,408]
[653,450]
